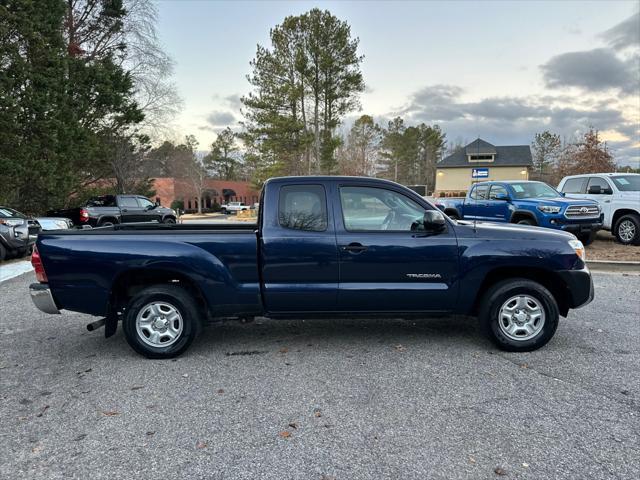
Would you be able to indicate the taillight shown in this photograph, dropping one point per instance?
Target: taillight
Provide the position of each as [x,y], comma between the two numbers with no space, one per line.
[36,261]
[84,215]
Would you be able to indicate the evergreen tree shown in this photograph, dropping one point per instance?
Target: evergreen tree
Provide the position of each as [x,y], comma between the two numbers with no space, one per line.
[220,160]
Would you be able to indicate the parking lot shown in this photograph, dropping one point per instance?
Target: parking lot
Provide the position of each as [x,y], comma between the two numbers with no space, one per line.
[323,399]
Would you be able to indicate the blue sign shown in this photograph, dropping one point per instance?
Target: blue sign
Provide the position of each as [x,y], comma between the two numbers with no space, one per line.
[480,173]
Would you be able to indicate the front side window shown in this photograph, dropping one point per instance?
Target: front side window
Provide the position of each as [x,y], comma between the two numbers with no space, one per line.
[573,185]
[533,190]
[479,192]
[145,203]
[598,182]
[128,202]
[378,209]
[497,190]
[303,207]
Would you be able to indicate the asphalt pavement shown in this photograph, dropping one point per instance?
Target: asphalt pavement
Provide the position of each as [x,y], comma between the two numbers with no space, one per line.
[323,399]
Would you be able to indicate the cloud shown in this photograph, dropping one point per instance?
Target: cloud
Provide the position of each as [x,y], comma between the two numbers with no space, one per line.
[219,118]
[515,120]
[230,101]
[594,70]
[625,34]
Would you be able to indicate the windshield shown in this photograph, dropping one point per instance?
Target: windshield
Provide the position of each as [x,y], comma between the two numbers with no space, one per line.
[627,183]
[10,213]
[534,190]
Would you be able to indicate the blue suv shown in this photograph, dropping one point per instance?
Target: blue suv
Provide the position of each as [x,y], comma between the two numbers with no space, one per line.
[526,203]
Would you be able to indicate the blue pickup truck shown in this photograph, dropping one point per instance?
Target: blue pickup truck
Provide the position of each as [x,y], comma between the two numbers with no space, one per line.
[322,247]
[526,203]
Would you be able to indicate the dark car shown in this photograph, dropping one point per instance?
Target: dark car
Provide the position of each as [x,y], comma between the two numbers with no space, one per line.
[18,233]
[108,210]
[323,247]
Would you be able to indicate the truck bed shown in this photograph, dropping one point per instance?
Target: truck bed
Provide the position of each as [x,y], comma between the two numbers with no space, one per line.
[220,261]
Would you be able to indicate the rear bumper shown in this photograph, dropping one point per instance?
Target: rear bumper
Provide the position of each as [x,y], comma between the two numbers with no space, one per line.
[42,298]
[579,285]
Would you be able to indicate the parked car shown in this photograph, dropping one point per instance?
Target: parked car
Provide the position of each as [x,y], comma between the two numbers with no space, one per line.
[18,233]
[324,247]
[234,207]
[526,203]
[113,209]
[618,195]
[54,223]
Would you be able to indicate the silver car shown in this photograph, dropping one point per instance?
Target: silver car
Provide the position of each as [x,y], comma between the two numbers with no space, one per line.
[18,233]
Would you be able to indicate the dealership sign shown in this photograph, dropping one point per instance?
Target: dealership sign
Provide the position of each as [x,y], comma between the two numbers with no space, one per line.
[480,173]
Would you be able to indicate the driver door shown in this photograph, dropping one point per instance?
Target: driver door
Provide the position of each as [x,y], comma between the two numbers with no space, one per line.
[385,266]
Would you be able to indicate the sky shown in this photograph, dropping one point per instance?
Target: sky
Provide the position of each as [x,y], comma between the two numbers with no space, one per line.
[499,70]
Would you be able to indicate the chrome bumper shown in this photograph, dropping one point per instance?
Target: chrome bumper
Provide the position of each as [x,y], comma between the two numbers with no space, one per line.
[41,297]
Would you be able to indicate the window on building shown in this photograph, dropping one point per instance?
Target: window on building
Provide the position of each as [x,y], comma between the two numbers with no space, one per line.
[481,158]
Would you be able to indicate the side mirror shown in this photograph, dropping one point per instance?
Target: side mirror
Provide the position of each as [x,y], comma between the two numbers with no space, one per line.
[433,221]
[158,203]
[502,196]
[595,190]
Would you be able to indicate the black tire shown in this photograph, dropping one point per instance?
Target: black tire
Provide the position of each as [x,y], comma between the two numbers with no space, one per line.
[106,223]
[3,252]
[176,297]
[498,295]
[223,211]
[526,221]
[626,225]
[169,220]
[587,238]
[453,216]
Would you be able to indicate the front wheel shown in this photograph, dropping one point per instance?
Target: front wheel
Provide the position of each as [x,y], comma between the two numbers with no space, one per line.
[627,230]
[161,321]
[519,315]
[526,221]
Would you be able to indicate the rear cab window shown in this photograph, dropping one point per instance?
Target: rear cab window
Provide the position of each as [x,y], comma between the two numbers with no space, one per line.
[574,185]
[303,207]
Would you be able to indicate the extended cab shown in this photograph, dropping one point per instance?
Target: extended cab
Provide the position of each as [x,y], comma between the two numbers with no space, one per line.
[526,203]
[618,195]
[113,209]
[323,247]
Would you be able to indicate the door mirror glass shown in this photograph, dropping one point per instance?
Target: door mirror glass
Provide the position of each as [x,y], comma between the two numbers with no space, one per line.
[433,221]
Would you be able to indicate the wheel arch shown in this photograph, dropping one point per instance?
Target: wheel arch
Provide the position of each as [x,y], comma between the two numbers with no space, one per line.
[621,212]
[518,215]
[551,280]
[107,218]
[129,283]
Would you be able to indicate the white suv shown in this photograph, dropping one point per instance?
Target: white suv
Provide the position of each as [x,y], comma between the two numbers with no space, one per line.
[619,197]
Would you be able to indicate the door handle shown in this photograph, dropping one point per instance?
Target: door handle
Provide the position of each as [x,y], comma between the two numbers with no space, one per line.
[354,247]
[125,210]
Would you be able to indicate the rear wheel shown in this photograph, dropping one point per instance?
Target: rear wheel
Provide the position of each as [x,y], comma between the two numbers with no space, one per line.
[3,252]
[519,315]
[161,321]
[627,229]
[106,223]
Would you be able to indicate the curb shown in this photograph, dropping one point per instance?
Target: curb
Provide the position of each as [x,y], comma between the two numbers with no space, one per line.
[613,266]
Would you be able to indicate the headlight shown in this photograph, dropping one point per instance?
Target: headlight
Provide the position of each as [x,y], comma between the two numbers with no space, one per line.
[579,249]
[549,209]
[62,224]
[12,222]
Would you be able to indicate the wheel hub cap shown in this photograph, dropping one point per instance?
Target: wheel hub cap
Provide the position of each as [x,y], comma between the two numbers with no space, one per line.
[521,317]
[159,324]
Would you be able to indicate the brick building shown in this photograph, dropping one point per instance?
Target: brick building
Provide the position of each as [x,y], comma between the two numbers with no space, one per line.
[216,191]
